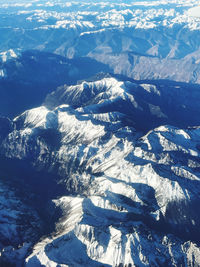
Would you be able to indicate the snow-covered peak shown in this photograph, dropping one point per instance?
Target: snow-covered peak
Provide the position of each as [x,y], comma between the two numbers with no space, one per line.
[88,94]
[10,54]
[34,118]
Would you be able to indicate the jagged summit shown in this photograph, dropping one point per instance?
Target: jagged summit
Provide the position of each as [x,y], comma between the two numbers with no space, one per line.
[144,105]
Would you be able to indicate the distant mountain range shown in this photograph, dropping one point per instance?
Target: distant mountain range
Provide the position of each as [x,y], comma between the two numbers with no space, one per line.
[142,40]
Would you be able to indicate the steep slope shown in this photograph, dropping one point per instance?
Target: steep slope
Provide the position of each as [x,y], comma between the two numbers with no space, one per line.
[129,196]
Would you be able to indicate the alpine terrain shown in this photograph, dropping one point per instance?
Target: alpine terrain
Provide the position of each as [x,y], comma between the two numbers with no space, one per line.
[99,133]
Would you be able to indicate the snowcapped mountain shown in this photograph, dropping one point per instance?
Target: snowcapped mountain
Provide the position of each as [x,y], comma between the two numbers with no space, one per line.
[10,54]
[145,105]
[4,57]
[127,195]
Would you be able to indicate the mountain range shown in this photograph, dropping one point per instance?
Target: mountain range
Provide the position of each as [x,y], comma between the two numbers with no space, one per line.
[141,40]
[116,189]
[99,133]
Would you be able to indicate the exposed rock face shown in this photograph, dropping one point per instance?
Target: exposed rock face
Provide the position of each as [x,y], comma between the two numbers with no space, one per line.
[130,194]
